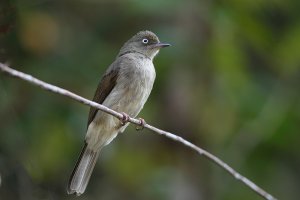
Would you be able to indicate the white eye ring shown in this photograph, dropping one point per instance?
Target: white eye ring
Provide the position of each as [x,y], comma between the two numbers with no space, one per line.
[145,41]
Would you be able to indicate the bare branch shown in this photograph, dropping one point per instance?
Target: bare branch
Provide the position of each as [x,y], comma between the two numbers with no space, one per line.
[209,156]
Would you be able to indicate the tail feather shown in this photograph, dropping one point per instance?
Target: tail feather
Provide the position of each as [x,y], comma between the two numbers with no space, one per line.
[82,171]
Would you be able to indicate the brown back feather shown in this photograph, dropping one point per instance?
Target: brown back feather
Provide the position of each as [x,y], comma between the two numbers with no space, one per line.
[105,86]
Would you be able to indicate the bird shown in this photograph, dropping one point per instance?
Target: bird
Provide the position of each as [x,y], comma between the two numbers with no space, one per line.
[125,88]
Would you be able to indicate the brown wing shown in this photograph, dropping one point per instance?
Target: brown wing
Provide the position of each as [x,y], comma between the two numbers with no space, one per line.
[105,86]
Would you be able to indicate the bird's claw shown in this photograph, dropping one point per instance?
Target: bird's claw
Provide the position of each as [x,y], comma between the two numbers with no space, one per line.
[141,125]
[124,119]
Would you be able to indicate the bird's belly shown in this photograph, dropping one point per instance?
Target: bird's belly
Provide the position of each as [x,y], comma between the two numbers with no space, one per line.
[131,99]
[106,127]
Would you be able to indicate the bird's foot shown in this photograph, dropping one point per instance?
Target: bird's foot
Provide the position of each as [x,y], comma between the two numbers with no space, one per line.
[141,125]
[125,118]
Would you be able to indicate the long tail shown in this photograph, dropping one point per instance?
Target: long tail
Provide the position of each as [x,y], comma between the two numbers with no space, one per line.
[82,171]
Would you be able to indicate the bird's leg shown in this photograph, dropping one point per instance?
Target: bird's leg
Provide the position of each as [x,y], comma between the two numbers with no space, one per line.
[125,118]
[141,125]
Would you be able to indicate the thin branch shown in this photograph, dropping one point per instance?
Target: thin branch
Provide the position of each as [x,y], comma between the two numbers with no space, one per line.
[209,156]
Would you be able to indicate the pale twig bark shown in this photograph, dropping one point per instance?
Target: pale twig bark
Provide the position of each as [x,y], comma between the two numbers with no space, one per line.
[209,156]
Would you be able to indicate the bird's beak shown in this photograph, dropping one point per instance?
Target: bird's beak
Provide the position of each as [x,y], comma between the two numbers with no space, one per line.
[161,45]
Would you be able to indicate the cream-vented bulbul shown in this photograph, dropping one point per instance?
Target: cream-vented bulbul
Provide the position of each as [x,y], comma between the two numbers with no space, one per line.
[125,87]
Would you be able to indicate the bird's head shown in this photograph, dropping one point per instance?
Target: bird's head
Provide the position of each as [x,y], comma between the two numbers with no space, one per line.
[144,42]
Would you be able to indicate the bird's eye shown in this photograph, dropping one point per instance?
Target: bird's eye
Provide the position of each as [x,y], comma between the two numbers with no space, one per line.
[145,41]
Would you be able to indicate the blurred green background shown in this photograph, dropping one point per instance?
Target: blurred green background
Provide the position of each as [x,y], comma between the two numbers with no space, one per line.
[230,83]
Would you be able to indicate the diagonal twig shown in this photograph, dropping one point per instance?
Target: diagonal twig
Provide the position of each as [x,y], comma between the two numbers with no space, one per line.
[206,154]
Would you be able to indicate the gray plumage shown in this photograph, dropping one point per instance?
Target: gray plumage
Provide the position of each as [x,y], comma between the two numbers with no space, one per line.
[125,87]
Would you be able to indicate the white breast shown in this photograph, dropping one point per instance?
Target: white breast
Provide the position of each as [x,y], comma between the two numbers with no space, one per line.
[133,87]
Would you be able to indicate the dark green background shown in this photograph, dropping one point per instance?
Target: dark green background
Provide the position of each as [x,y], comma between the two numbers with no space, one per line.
[230,83]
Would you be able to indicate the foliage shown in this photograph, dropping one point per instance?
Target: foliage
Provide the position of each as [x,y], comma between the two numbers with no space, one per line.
[230,83]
